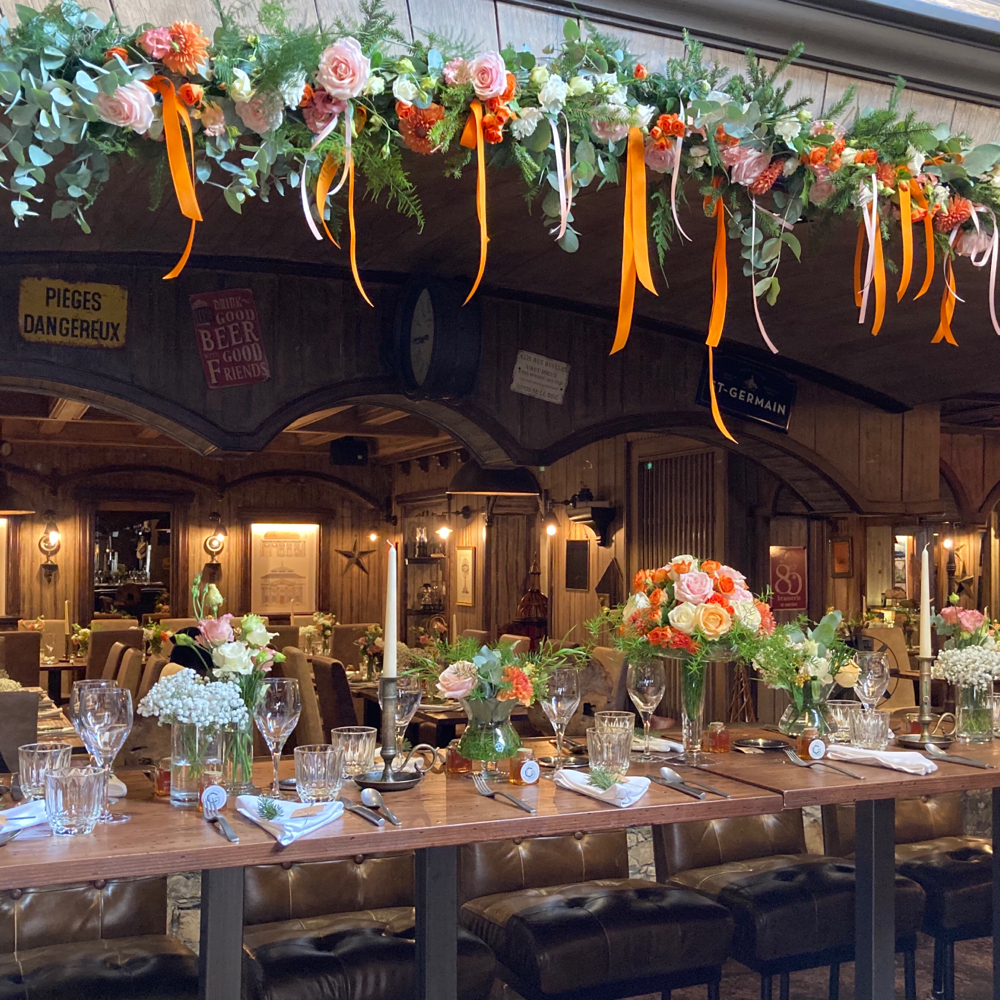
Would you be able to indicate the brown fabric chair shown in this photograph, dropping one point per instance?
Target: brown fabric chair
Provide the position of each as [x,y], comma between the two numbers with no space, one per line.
[97,940]
[286,636]
[954,870]
[100,646]
[150,675]
[792,910]
[343,644]
[336,706]
[19,712]
[310,727]
[474,633]
[20,656]
[113,664]
[130,672]
[565,921]
[334,930]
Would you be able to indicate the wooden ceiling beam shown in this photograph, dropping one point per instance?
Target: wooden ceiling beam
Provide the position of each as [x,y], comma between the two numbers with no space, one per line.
[311,418]
[410,427]
[61,412]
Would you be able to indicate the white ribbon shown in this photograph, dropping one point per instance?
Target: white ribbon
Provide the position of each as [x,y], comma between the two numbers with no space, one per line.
[564,177]
[303,187]
[989,255]
[869,213]
[678,145]
[944,269]
[753,283]
[304,191]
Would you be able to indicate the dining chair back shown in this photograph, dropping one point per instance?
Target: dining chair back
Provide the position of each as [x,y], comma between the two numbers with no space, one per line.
[310,727]
[20,656]
[479,635]
[286,635]
[176,624]
[150,675]
[53,633]
[300,621]
[130,672]
[336,704]
[613,663]
[113,624]
[518,643]
[344,643]
[113,663]
[19,711]
[101,644]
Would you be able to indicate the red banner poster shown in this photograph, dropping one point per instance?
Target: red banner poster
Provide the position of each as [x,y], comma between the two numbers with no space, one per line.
[789,588]
[228,331]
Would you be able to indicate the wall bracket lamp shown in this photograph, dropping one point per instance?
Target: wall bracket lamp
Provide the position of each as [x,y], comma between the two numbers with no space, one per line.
[49,544]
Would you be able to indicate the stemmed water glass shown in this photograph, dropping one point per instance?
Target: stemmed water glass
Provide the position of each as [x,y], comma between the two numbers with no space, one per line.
[873,678]
[277,713]
[103,717]
[562,698]
[646,682]
[409,690]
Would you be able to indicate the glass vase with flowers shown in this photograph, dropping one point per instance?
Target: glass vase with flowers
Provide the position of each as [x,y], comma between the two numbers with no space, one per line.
[371,644]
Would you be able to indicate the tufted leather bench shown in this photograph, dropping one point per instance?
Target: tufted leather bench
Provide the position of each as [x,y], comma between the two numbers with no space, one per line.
[954,870]
[791,910]
[342,930]
[101,940]
[566,921]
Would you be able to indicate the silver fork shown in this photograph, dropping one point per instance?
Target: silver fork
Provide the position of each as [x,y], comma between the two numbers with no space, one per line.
[491,793]
[212,815]
[798,761]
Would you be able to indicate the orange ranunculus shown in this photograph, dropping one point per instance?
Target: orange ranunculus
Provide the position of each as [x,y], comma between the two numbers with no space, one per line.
[191,93]
[725,585]
[681,566]
[640,72]
[116,50]
[656,597]
[723,139]
[307,95]
[668,125]
[188,48]
[510,90]
[415,127]
[837,147]
[681,641]
[710,566]
[721,600]
[662,636]
[817,155]
[867,156]
[404,110]
[639,581]
[835,163]
[660,577]
[886,173]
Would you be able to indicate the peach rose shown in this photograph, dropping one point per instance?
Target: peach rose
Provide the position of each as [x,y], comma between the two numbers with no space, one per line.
[744,163]
[213,119]
[609,130]
[262,113]
[217,630]
[848,675]
[458,680]
[970,620]
[695,587]
[660,160]
[488,75]
[712,620]
[130,106]
[343,69]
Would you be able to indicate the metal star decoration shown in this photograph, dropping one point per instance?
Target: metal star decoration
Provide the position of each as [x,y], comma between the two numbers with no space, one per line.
[355,558]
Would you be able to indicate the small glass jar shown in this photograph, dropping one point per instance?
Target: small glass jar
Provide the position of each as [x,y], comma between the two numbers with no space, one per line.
[719,738]
[161,779]
[455,762]
[809,745]
[524,768]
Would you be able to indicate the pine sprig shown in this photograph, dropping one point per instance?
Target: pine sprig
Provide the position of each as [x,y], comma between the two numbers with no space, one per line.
[267,808]
[604,779]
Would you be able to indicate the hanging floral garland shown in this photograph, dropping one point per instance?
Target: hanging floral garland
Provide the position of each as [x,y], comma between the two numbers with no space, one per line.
[308,109]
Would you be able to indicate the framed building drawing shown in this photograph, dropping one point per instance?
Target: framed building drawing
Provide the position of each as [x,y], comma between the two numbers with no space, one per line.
[465,576]
[284,564]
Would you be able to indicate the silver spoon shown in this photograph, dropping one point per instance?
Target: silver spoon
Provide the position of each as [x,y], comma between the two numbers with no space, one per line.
[935,751]
[373,799]
[671,775]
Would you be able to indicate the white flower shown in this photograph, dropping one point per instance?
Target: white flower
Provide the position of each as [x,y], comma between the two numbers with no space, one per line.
[374,86]
[579,85]
[642,114]
[747,614]
[940,195]
[405,90]
[538,76]
[254,632]
[788,129]
[848,154]
[971,666]
[8,684]
[526,122]
[791,165]
[607,83]
[240,89]
[553,95]
[915,160]
[637,602]
[697,156]
[185,697]
[232,658]
[684,617]
[292,90]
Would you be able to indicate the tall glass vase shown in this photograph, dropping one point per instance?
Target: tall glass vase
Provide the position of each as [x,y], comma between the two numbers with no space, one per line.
[193,750]
[489,736]
[973,714]
[807,709]
[692,706]
[237,758]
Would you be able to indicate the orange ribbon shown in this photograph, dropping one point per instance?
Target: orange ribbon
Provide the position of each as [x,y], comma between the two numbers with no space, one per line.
[350,219]
[472,138]
[635,241]
[906,227]
[720,296]
[858,248]
[921,200]
[948,298]
[878,278]
[174,115]
[323,183]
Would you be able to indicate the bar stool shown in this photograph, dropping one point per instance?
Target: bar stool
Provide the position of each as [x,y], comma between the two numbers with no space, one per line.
[954,870]
[792,910]
[567,923]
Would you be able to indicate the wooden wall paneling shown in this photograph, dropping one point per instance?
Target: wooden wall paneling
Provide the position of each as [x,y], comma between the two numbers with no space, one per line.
[921,453]
[867,94]
[476,20]
[13,569]
[991,463]
[844,593]
[980,122]
[878,562]
[966,456]
[519,26]
[881,455]
[132,13]
[806,82]
[818,568]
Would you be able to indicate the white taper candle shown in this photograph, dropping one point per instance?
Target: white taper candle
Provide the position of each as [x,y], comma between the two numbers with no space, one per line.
[925,603]
[390,627]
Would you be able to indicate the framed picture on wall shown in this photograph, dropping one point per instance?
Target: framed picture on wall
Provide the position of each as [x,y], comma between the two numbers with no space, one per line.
[465,576]
[284,566]
[841,556]
[577,564]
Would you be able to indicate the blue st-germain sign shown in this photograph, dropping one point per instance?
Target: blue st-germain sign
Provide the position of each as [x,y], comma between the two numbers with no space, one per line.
[749,390]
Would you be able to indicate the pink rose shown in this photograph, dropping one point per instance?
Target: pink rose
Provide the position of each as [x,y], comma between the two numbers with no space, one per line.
[972,242]
[607,130]
[213,119]
[130,106]
[458,680]
[155,42]
[488,75]
[950,615]
[827,128]
[217,631]
[262,113]
[728,573]
[695,587]
[343,69]
[265,659]
[970,620]
[660,160]
[322,110]
[739,594]
[745,164]
[820,190]
[456,71]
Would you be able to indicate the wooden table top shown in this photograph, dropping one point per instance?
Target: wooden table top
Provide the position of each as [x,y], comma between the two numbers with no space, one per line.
[442,810]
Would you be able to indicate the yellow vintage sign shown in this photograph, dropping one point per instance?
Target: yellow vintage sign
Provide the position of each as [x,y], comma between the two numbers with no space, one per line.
[77,314]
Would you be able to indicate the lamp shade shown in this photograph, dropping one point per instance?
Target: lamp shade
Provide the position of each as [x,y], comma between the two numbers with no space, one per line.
[473,479]
[11,501]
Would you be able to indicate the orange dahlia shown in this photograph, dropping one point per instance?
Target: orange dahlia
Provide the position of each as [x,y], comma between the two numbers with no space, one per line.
[766,178]
[766,618]
[958,211]
[188,48]
[886,173]
[521,687]
[416,125]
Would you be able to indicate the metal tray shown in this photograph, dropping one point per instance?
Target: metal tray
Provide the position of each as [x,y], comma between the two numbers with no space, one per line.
[566,761]
[762,744]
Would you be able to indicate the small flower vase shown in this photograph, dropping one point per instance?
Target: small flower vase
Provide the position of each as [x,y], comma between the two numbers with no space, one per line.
[973,714]
[692,706]
[193,750]
[373,667]
[806,710]
[237,758]
[489,735]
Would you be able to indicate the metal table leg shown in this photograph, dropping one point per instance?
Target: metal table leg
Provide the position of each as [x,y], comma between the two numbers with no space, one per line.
[875,900]
[220,960]
[996,894]
[437,923]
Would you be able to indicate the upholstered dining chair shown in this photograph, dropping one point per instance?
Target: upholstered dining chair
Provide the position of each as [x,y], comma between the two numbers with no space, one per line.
[518,643]
[19,712]
[475,633]
[336,704]
[100,646]
[150,675]
[130,673]
[20,656]
[310,727]
[113,662]
[112,624]
[285,635]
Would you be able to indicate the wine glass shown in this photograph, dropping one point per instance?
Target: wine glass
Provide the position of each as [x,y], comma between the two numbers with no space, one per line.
[277,713]
[103,718]
[409,690]
[646,682]
[77,691]
[562,698]
[873,678]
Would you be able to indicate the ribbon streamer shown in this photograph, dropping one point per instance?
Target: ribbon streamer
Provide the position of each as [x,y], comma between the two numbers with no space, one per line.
[679,143]
[472,138]
[947,311]
[720,296]
[921,200]
[323,183]
[989,256]
[635,241]
[564,177]
[753,285]
[906,227]
[175,115]
[350,219]
[875,269]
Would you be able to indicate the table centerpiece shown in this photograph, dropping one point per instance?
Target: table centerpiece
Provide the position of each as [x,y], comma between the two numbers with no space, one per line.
[372,644]
[153,635]
[323,622]
[80,640]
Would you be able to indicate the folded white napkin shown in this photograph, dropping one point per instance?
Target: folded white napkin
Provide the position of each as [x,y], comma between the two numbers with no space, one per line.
[288,826]
[21,817]
[621,795]
[117,789]
[659,744]
[897,760]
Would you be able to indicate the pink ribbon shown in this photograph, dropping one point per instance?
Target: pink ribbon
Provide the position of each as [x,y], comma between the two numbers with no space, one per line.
[304,191]
[753,285]
[304,188]
[990,254]
[679,143]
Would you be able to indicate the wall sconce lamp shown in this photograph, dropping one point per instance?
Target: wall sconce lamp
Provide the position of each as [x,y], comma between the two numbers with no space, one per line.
[216,541]
[551,523]
[49,544]
[598,515]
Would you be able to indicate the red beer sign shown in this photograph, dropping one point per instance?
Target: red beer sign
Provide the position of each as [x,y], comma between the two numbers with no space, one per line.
[228,331]
[789,590]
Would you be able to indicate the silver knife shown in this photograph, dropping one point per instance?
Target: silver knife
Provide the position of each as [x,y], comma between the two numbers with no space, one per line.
[514,801]
[708,788]
[686,789]
[363,812]
[968,761]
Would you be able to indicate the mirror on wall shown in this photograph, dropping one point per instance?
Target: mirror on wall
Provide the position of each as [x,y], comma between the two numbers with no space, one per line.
[132,554]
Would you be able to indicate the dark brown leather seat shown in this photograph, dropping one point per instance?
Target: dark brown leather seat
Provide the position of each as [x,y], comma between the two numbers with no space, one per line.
[20,656]
[792,910]
[101,940]
[336,705]
[566,921]
[954,870]
[342,930]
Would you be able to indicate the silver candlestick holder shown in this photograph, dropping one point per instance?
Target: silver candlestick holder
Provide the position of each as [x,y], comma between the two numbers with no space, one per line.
[388,780]
[927,719]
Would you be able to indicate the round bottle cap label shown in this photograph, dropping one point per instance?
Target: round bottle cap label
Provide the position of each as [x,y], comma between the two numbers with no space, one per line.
[817,748]
[530,771]
[213,797]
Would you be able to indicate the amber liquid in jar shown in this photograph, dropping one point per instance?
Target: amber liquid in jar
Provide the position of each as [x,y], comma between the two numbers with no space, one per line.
[719,738]
[805,739]
[455,762]
[523,768]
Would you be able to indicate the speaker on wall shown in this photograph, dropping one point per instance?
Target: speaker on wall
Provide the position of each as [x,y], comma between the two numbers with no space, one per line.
[349,451]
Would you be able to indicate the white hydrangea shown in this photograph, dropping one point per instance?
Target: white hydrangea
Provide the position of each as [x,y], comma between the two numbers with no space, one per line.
[185,697]
[526,122]
[291,93]
[553,95]
[972,666]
